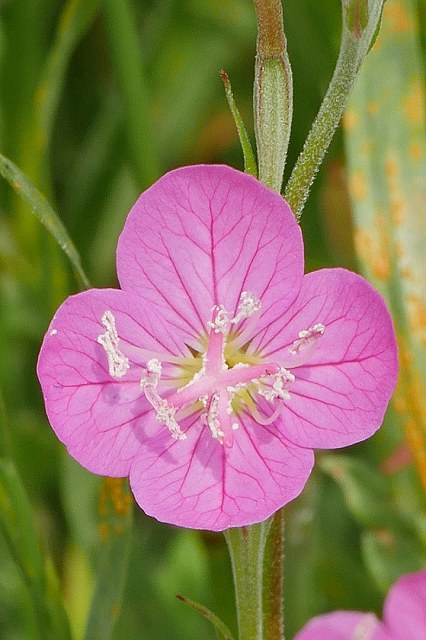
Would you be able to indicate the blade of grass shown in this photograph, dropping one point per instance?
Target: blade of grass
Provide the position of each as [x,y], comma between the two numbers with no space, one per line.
[126,58]
[44,212]
[221,628]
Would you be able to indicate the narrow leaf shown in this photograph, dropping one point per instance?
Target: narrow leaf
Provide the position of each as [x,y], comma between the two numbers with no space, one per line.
[44,212]
[127,61]
[220,626]
[249,158]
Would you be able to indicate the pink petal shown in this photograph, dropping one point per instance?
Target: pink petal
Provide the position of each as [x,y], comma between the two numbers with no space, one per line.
[101,419]
[340,395]
[405,607]
[198,483]
[201,236]
[343,625]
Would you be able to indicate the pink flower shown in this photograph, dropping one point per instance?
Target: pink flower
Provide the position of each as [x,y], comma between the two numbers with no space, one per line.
[404,617]
[218,367]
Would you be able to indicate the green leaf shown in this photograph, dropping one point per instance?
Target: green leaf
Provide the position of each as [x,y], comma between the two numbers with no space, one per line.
[249,158]
[220,626]
[127,60]
[44,212]
[115,529]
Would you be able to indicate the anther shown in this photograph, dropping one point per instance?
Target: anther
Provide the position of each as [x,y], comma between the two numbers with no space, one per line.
[249,304]
[279,388]
[118,363]
[307,337]
[220,320]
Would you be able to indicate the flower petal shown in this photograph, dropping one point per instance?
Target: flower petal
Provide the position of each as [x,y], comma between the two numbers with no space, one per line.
[343,625]
[340,395]
[198,483]
[201,236]
[99,417]
[405,607]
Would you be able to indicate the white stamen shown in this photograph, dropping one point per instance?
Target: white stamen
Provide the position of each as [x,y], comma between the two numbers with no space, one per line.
[221,321]
[212,419]
[118,363]
[279,387]
[249,304]
[307,337]
[164,413]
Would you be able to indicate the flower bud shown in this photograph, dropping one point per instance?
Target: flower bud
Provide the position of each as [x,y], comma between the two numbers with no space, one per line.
[273,94]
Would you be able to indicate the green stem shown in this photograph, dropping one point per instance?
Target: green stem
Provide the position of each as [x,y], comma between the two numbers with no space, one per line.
[360,23]
[126,57]
[247,550]
[323,128]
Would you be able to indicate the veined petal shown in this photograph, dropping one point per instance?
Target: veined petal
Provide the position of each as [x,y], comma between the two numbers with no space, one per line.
[340,394]
[98,416]
[343,625]
[202,235]
[200,484]
[405,607]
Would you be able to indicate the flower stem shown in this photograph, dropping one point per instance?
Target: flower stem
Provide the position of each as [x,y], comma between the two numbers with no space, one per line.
[247,550]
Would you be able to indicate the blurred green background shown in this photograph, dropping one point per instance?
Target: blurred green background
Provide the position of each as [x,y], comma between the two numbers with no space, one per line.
[97,99]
